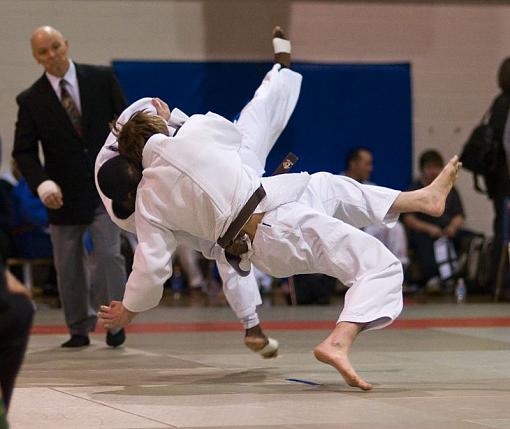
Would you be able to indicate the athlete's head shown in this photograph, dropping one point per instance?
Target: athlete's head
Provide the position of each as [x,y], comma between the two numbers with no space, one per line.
[118,179]
[133,135]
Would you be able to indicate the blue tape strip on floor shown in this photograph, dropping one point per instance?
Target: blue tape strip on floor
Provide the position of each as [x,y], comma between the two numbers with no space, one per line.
[297,380]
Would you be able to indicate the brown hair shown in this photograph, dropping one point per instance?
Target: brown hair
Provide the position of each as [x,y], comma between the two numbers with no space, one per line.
[133,135]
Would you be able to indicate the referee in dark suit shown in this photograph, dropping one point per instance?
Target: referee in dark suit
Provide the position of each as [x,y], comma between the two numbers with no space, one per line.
[67,111]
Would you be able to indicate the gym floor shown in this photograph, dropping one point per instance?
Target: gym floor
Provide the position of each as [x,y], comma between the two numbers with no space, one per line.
[441,365]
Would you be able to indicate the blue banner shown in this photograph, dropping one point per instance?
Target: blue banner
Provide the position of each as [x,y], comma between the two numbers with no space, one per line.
[342,106]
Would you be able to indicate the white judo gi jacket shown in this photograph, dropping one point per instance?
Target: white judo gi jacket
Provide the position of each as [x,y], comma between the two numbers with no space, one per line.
[193,184]
[259,125]
[196,182]
[241,292]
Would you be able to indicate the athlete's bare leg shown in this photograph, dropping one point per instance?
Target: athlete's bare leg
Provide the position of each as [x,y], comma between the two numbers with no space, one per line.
[334,351]
[432,198]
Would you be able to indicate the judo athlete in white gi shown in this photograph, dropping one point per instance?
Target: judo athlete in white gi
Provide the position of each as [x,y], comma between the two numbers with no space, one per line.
[242,293]
[196,183]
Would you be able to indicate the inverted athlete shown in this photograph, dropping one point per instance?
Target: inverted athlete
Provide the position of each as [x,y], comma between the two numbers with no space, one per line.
[203,185]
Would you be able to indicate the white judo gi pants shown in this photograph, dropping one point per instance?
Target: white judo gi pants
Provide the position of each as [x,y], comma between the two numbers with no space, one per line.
[319,234]
[395,239]
[260,122]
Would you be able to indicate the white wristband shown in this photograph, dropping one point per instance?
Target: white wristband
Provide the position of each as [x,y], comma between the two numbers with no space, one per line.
[46,188]
[281,45]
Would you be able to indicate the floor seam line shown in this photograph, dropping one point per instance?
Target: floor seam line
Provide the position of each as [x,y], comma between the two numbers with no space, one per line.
[113,408]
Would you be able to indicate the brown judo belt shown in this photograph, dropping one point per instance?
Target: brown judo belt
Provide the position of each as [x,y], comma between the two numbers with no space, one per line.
[231,241]
[243,217]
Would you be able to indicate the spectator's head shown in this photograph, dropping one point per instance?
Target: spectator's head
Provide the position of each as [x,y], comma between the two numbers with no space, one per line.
[359,164]
[133,135]
[504,75]
[431,164]
[49,49]
[118,179]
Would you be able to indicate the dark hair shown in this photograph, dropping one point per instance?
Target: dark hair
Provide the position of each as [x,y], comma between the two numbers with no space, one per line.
[354,155]
[431,157]
[504,75]
[118,176]
[124,209]
[133,135]
[118,179]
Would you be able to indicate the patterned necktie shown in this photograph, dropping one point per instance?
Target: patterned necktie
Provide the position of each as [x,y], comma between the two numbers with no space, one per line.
[70,107]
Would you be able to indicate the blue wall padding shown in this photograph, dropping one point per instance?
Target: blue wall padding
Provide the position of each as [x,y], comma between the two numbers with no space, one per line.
[341,106]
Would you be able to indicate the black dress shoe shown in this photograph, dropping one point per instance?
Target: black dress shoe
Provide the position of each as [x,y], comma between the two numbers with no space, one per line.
[77,341]
[115,340]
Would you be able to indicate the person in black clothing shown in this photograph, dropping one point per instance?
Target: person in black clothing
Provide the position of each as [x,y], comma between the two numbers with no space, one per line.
[66,113]
[425,229]
[498,185]
[16,313]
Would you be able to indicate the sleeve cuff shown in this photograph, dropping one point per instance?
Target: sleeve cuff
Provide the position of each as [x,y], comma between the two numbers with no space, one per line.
[177,118]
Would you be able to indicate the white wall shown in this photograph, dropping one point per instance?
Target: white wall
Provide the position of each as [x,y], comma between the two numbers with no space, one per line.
[454,47]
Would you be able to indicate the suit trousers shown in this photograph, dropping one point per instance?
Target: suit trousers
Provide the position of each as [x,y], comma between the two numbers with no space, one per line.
[86,282]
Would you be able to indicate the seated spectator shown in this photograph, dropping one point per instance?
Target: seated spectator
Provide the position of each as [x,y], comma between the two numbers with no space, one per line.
[189,262]
[28,228]
[29,221]
[264,281]
[313,289]
[5,223]
[424,230]
[359,166]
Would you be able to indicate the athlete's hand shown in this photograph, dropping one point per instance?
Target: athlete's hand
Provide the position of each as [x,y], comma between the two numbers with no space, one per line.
[162,108]
[115,315]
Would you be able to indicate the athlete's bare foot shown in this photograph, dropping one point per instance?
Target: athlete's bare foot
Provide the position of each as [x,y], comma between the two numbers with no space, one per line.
[282,47]
[438,190]
[334,351]
[258,342]
[334,356]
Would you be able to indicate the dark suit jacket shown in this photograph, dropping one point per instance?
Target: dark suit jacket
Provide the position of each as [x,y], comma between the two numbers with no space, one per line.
[69,158]
[499,186]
